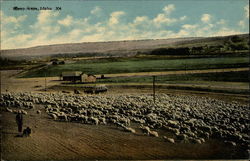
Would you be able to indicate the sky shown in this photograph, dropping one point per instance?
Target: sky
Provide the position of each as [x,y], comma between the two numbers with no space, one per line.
[74,21]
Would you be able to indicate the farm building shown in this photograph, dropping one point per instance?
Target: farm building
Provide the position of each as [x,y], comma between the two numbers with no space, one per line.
[78,76]
[88,78]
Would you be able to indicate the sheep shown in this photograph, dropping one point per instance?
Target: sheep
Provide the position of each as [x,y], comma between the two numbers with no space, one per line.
[102,121]
[83,119]
[62,116]
[53,116]
[9,110]
[24,112]
[145,129]
[93,120]
[153,133]
[129,129]
[125,121]
[122,109]
[171,140]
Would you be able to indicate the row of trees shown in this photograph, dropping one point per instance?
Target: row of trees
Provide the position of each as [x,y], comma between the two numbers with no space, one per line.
[6,61]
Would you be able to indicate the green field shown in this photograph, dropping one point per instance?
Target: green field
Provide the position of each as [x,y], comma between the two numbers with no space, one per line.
[242,76]
[133,65]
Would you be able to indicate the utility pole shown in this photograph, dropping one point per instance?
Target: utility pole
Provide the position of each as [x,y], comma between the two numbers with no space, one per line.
[154,88]
[45,83]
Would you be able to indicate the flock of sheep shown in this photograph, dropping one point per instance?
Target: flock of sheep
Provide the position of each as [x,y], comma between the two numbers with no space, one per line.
[186,118]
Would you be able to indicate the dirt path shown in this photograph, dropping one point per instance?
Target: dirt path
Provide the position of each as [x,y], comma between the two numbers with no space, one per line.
[13,84]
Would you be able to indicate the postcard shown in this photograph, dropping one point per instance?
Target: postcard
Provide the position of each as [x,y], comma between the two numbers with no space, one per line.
[124,80]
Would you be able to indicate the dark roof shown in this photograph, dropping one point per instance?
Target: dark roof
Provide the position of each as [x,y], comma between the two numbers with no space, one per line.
[71,74]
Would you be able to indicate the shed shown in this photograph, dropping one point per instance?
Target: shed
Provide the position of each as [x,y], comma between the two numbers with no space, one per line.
[71,76]
[88,78]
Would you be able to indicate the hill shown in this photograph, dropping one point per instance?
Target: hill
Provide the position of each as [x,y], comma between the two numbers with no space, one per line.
[112,48]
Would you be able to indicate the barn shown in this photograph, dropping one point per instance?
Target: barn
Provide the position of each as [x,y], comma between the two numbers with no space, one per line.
[78,76]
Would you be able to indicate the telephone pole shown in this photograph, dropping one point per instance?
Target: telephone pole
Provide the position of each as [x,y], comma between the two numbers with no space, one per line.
[154,88]
[45,83]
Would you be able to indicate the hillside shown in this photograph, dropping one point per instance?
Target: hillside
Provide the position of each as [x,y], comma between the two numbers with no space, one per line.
[112,48]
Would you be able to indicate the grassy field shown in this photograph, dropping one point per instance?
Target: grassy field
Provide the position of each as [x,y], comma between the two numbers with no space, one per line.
[133,65]
[223,82]
[241,76]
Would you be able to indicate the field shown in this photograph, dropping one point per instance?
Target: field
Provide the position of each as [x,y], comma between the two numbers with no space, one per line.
[199,110]
[141,64]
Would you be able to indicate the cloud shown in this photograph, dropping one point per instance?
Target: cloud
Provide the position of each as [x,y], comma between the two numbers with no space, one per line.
[96,11]
[140,19]
[169,8]
[226,31]
[14,41]
[46,20]
[221,22]
[244,22]
[206,18]
[11,20]
[67,21]
[45,16]
[115,16]
[188,26]
[183,18]
[162,18]
[246,9]
[241,23]
[165,19]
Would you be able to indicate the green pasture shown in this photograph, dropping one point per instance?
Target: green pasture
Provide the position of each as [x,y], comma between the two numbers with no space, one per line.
[241,76]
[133,65]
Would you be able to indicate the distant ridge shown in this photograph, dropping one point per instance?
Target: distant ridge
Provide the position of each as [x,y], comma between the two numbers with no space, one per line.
[110,48]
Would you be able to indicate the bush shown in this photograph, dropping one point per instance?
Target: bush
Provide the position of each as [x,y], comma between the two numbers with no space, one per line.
[239,46]
[236,39]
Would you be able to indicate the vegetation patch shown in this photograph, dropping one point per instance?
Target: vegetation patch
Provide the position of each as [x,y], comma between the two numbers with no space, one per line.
[240,76]
[135,64]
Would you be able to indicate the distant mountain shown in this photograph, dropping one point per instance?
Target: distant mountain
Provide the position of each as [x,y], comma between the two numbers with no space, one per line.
[112,48]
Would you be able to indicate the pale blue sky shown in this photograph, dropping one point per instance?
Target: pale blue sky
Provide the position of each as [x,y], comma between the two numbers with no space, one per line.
[90,21]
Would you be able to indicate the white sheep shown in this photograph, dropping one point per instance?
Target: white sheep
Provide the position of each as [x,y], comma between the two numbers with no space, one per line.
[153,133]
[145,129]
[24,112]
[53,115]
[129,129]
[171,140]
[93,120]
